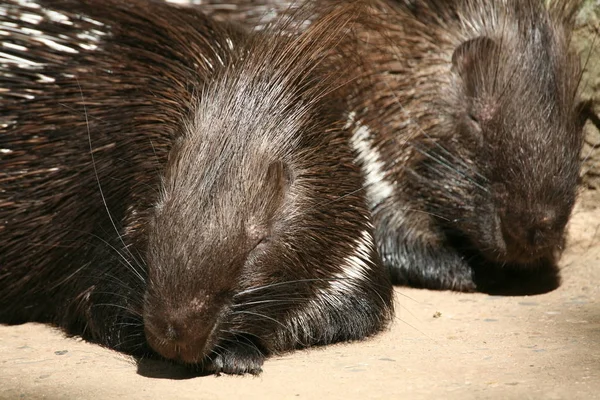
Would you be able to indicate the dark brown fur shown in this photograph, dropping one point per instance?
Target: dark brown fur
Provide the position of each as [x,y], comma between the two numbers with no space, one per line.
[470,130]
[176,185]
[487,124]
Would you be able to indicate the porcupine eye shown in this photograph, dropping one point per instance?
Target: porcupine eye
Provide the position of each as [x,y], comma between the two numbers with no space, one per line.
[471,127]
[257,236]
[473,119]
[270,198]
[474,122]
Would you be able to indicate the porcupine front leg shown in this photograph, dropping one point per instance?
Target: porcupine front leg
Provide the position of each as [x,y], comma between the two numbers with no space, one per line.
[416,253]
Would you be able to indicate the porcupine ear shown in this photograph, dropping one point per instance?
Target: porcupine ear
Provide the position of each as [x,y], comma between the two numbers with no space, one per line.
[468,55]
[471,60]
[279,175]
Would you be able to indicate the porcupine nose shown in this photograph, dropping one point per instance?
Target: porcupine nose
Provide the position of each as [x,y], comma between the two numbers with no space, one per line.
[182,332]
[530,234]
[189,323]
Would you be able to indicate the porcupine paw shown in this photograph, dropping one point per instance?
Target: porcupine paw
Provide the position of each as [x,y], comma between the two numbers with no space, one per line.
[237,360]
[442,269]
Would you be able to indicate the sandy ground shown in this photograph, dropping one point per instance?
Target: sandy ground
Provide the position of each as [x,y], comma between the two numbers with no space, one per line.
[442,345]
[587,39]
